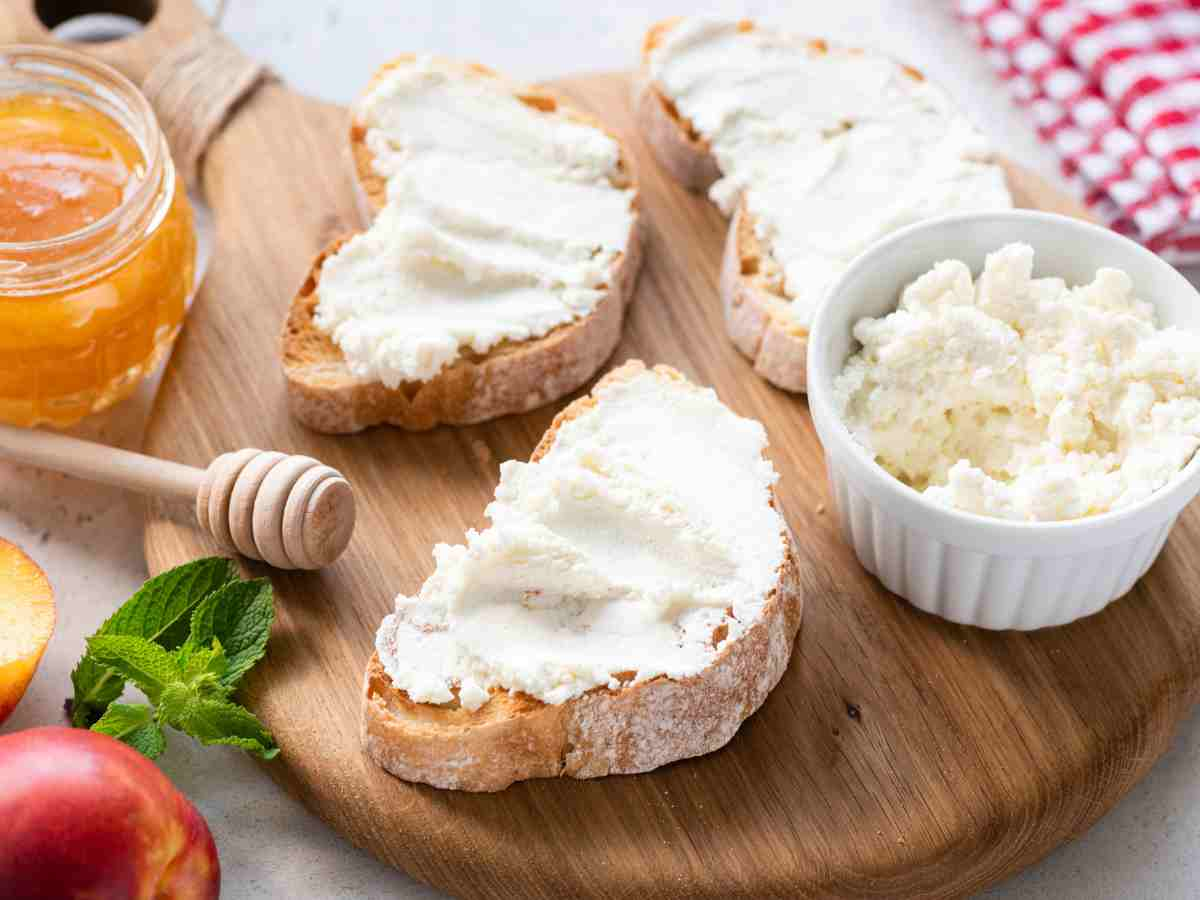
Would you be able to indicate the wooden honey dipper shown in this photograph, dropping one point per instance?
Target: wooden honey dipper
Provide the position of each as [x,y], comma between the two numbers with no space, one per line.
[292,512]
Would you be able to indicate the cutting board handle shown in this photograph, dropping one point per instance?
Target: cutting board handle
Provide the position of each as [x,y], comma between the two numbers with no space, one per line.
[192,74]
[171,24]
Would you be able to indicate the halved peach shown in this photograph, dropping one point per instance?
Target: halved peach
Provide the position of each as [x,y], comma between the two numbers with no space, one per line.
[26,622]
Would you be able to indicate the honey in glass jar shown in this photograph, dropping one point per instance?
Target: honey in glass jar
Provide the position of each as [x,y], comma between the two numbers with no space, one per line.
[97,246]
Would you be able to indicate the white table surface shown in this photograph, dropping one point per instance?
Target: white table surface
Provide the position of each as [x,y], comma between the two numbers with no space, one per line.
[89,538]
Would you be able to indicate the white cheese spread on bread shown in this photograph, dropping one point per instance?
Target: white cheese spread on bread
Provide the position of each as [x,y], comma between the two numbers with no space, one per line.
[638,546]
[830,148]
[502,222]
[1022,397]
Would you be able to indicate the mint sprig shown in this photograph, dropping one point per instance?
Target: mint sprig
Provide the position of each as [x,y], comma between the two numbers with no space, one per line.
[185,639]
[161,611]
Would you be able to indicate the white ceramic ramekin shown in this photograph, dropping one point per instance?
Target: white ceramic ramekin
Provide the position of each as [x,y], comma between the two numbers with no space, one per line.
[964,567]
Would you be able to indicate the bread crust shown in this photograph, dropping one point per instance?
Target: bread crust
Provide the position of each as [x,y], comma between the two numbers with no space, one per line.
[678,149]
[751,286]
[752,298]
[633,729]
[512,377]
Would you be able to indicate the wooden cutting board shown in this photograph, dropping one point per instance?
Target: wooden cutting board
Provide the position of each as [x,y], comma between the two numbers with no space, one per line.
[899,756]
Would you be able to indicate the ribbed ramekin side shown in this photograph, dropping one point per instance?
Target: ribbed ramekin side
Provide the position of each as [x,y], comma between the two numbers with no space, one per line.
[993,591]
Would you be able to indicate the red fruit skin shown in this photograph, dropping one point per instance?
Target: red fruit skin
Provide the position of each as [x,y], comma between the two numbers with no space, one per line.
[84,816]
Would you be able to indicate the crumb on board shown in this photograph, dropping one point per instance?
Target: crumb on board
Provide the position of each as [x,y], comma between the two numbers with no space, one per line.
[820,509]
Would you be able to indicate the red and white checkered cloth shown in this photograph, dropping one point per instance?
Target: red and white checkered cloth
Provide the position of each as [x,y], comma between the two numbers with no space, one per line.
[1114,86]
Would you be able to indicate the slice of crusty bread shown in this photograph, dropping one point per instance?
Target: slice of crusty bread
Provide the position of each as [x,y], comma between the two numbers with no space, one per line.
[602,732]
[751,280]
[512,377]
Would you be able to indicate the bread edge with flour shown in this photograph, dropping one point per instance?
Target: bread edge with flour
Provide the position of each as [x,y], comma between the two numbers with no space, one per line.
[605,731]
[512,377]
[751,280]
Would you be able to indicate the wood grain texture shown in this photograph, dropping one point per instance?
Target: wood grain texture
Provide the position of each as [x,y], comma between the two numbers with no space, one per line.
[899,756]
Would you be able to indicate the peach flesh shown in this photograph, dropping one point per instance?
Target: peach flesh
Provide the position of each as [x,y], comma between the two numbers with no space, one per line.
[26,623]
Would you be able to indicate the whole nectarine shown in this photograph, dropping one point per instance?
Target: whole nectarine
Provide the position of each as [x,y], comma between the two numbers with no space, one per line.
[26,622]
[84,816]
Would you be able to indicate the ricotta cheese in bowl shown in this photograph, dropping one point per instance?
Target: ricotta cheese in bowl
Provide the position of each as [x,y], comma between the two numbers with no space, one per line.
[1022,397]
[1009,405]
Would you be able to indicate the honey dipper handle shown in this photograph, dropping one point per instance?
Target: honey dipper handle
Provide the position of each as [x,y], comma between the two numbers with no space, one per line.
[98,462]
[292,512]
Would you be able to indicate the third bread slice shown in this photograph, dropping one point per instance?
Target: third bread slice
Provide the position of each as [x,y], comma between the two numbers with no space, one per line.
[829,103]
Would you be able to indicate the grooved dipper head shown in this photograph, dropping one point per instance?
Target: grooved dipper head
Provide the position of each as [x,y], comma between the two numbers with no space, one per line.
[289,511]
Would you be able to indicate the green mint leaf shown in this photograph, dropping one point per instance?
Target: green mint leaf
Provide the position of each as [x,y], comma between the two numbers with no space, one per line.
[136,659]
[213,721]
[95,688]
[133,724]
[202,661]
[239,616]
[173,700]
[160,611]
[203,669]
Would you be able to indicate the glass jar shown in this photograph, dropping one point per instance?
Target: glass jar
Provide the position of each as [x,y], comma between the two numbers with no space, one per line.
[86,314]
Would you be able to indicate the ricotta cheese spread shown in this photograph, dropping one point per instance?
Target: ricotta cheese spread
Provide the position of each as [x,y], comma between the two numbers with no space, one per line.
[1021,397]
[638,546]
[831,148]
[502,222]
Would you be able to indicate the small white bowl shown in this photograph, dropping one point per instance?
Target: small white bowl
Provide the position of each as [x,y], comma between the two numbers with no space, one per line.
[968,568]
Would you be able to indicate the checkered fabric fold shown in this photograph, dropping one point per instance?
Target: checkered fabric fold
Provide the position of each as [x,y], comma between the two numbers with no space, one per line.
[1114,87]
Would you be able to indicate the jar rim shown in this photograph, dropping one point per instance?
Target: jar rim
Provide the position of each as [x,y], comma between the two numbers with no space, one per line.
[67,73]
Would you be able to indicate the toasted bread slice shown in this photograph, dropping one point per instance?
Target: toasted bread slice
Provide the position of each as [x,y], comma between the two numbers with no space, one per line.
[632,728]
[511,377]
[758,311]
[751,282]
